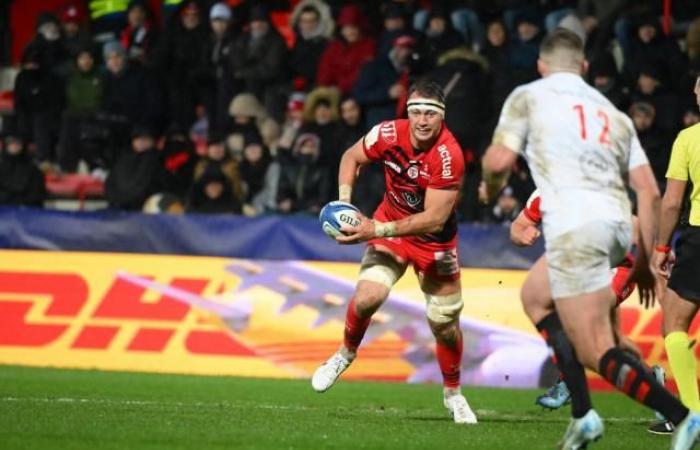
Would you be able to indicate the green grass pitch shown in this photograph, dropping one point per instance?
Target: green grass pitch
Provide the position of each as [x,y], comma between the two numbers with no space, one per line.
[72,409]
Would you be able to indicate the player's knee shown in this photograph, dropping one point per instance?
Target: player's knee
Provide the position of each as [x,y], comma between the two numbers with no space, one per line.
[378,267]
[443,309]
[368,301]
[446,333]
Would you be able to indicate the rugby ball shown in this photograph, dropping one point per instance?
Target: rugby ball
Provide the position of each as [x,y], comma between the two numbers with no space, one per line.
[336,214]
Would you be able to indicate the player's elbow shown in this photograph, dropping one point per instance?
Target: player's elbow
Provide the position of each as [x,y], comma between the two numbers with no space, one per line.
[496,161]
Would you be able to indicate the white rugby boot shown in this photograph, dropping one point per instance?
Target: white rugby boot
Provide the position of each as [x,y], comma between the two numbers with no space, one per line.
[459,409]
[580,432]
[687,432]
[328,373]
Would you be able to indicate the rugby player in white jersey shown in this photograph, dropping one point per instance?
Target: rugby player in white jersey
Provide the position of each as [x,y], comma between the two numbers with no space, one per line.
[582,151]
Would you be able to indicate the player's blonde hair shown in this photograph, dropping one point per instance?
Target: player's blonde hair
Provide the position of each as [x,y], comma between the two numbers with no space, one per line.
[562,50]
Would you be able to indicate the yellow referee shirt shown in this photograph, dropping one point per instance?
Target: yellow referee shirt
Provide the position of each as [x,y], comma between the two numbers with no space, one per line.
[685,165]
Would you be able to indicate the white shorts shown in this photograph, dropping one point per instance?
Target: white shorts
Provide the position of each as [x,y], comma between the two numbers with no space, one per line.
[580,261]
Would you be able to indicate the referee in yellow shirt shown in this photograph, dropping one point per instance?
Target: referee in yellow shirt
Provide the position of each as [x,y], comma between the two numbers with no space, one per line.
[682,298]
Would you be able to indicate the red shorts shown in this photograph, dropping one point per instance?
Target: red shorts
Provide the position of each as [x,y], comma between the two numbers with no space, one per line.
[621,284]
[429,259]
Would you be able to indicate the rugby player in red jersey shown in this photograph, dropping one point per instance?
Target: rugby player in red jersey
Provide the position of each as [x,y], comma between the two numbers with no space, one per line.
[414,225]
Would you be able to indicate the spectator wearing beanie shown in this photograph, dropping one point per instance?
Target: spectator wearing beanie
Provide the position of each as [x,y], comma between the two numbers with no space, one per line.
[344,57]
[130,94]
[313,27]
[259,62]
[75,35]
[220,86]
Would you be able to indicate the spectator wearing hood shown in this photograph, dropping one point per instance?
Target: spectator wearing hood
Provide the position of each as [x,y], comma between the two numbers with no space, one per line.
[653,86]
[212,194]
[248,118]
[656,142]
[438,37]
[525,49]
[138,36]
[259,62]
[260,174]
[83,99]
[382,86]
[604,76]
[650,47]
[39,99]
[21,182]
[181,58]
[304,184]
[137,173]
[47,45]
[496,51]
[218,156]
[343,57]
[179,160]
[313,27]
[321,120]
[219,77]
[464,73]
[395,24]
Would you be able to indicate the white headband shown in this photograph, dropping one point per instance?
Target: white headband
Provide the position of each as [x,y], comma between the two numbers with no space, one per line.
[426,104]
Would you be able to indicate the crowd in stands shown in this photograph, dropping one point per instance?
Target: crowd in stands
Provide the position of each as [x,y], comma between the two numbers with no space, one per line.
[212,110]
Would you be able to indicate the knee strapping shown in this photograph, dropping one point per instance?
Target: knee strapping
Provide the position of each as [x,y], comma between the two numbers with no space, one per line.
[380,268]
[443,308]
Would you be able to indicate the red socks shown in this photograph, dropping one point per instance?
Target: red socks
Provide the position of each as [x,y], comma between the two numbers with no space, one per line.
[450,361]
[355,327]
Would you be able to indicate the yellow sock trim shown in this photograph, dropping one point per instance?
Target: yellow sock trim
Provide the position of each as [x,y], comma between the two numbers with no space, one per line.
[684,367]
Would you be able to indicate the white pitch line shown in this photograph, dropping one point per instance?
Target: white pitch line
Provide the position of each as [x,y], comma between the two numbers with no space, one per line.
[128,402]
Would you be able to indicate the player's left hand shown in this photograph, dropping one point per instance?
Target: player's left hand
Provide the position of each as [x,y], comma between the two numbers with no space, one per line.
[646,281]
[354,235]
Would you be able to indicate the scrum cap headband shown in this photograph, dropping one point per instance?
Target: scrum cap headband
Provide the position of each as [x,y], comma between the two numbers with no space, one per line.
[426,104]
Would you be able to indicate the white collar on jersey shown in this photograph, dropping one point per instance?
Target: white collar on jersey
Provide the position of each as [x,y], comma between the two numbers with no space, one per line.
[426,104]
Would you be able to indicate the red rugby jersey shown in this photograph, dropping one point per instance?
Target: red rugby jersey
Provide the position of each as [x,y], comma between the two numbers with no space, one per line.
[409,172]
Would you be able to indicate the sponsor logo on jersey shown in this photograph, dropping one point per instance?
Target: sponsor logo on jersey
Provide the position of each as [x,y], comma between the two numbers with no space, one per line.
[395,167]
[372,136]
[446,161]
[412,172]
[388,132]
[412,199]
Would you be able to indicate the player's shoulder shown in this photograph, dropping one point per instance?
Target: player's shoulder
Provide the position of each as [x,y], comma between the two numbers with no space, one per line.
[692,133]
[386,133]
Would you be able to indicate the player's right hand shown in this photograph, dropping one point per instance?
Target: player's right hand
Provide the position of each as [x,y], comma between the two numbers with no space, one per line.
[662,262]
[360,233]
[523,235]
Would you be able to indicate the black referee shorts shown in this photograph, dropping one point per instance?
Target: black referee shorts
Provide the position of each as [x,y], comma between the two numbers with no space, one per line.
[685,275]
